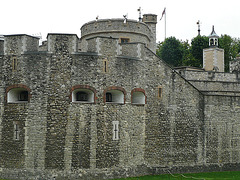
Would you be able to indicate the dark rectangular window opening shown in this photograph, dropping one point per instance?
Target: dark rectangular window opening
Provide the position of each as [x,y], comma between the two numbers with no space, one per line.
[23,96]
[159,92]
[105,65]
[125,40]
[82,96]
[14,63]
[108,97]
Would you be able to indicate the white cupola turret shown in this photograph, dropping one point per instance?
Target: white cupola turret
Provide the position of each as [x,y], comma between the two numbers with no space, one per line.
[213,38]
[213,57]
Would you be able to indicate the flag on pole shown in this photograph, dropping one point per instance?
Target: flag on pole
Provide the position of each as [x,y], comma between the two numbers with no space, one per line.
[164,11]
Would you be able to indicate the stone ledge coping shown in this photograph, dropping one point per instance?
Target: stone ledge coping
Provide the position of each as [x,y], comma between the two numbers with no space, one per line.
[203,71]
[82,102]
[114,31]
[47,52]
[221,91]
[129,57]
[109,37]
[18,102]
[37,52]
[112,20]
[229,82]
[133,43]
[223,95]
[136,104]
[21,35]
[114,103]
[62,34]
[86,53]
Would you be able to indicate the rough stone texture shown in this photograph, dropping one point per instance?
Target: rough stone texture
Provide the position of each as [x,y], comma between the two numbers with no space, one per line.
[116,28]
[222,129]
[214,83]
[180,130]
[234,66]
[209,76]
[18,44]
[1,46]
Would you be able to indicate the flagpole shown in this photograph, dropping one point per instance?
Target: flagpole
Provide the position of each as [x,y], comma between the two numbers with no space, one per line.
[165,24]
[164,13]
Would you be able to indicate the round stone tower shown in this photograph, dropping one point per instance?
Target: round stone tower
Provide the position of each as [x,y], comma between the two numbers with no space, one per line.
[127,31]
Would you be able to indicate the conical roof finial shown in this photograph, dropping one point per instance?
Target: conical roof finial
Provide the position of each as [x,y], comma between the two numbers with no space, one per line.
[213,33]
[213,38]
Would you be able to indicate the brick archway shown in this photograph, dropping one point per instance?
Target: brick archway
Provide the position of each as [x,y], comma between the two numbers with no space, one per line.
[87,87]
[111,88]
[138,90]
[17,86]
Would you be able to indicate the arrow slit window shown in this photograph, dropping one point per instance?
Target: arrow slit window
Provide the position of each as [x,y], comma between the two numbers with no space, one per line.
[16,130]
[159,95]
[14,63]
[115,130]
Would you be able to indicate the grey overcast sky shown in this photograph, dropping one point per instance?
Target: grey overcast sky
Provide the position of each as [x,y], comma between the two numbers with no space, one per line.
[61,16]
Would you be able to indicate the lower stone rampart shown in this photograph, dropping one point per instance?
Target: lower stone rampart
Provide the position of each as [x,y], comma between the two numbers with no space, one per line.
[111,173]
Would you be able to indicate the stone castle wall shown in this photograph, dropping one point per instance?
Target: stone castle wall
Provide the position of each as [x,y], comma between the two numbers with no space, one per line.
[209,76]
[222,130]
[215,83]
[58,134]
[62,139]
[234,66]
[1,46]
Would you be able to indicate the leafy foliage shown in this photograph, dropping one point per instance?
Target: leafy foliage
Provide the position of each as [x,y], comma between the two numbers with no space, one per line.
[181,53]
[188,59]
[231,49]
[171,51]
[198,44]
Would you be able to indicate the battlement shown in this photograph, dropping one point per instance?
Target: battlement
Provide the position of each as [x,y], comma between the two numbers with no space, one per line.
[150,18]
[62,43]
[122,29]
[115,25]
[19,43]
[110,46]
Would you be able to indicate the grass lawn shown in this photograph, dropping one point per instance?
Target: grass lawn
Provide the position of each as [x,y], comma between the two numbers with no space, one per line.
[228,175]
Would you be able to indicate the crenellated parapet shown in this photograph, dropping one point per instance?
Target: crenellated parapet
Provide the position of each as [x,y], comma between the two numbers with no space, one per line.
[103,45]
[124,30]
[132,50]
[105,26]
[62,43]
[111,47]
[19,44]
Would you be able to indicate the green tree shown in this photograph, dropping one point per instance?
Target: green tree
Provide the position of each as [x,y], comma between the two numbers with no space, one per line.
[231,48]
[171,51]
[188,59]
[197,45]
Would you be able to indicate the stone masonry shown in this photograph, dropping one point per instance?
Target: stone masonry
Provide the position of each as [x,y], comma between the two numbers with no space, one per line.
[112,109]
